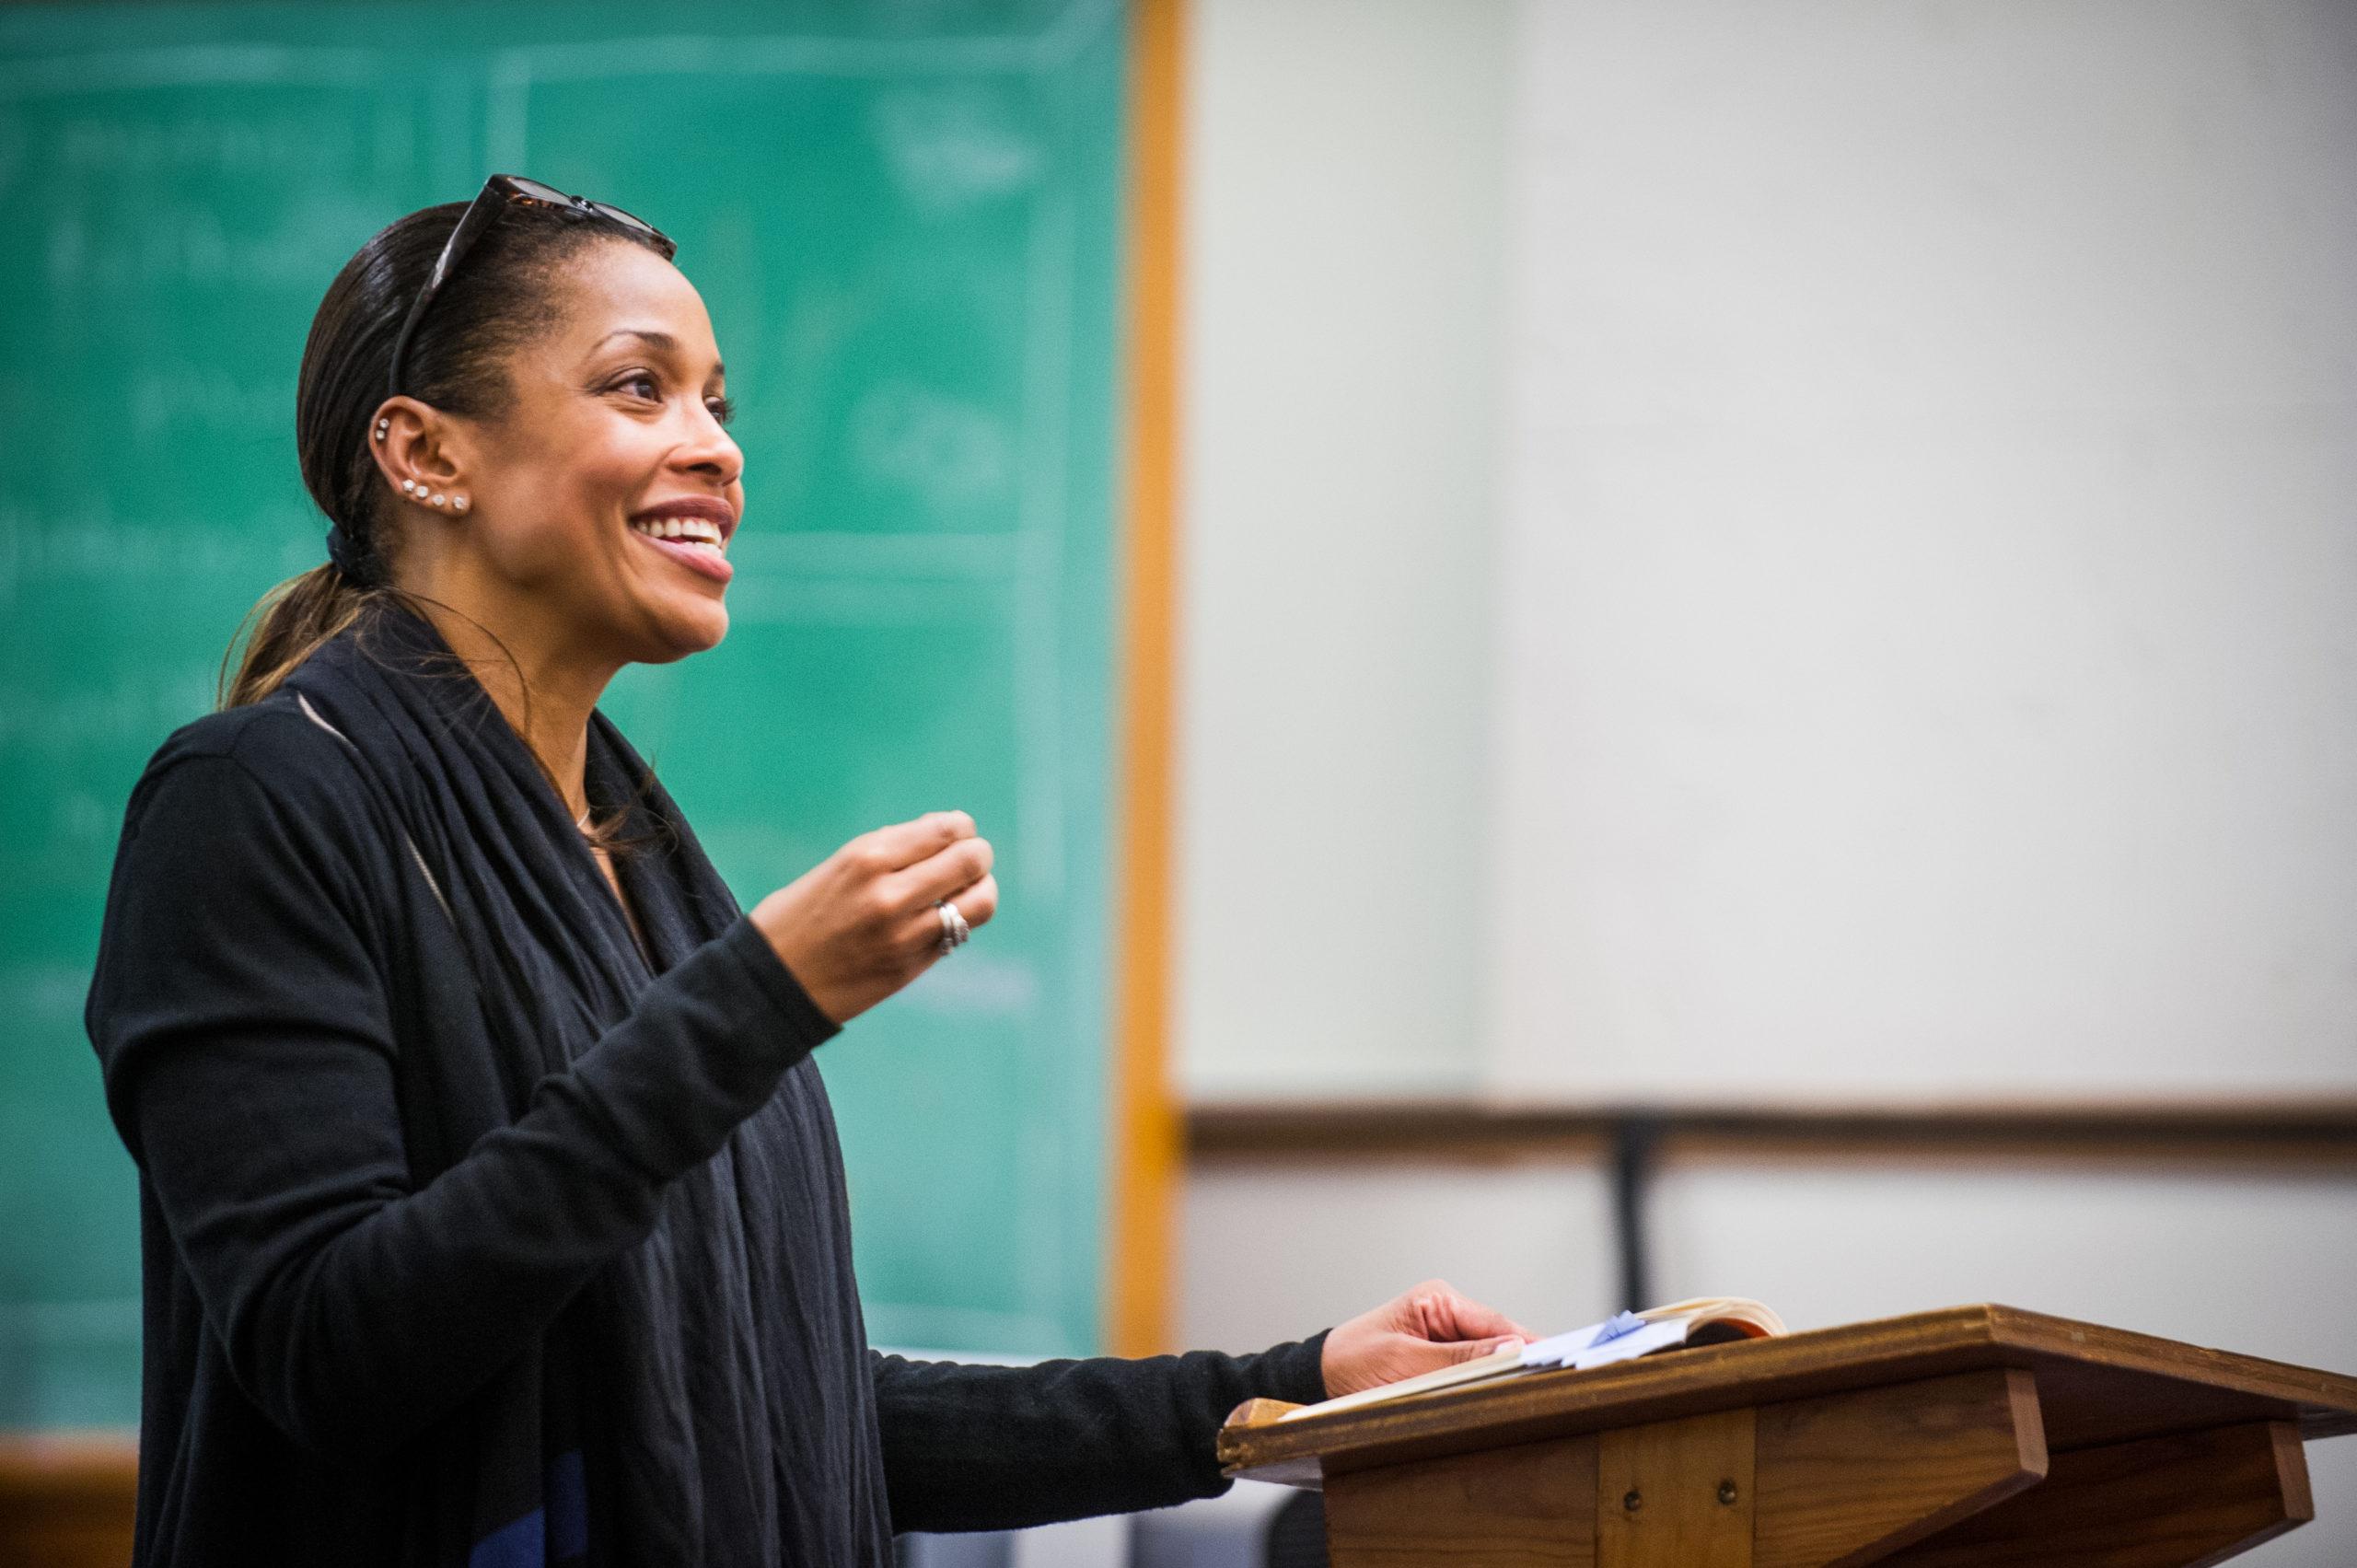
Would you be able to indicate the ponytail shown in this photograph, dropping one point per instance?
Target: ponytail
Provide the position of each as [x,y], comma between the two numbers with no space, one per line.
[286,627]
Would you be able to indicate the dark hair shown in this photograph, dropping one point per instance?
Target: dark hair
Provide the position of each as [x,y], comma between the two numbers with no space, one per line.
[497,300]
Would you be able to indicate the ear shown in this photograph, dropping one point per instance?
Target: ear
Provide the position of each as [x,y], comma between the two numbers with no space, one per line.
[421,453]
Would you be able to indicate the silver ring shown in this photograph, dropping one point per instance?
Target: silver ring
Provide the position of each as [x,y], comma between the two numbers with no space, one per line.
[954,929]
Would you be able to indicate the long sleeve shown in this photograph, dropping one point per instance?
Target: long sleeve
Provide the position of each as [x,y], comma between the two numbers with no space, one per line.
[249,1047]
[970,1447]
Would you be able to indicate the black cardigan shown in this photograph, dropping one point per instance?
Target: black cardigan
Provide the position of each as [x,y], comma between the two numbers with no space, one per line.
[312,1318]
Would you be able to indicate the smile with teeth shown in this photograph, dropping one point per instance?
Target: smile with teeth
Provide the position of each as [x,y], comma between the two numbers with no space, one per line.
[685,530]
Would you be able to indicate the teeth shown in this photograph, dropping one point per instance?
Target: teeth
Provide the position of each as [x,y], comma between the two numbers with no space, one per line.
[690,530]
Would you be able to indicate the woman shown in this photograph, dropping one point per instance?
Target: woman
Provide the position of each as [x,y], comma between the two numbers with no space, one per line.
[491,1209]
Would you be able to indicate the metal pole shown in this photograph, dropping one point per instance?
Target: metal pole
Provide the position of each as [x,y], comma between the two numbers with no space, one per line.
[1634,1136]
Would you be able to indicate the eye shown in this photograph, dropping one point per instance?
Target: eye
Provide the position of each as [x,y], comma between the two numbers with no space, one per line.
[724,408]
[643,378]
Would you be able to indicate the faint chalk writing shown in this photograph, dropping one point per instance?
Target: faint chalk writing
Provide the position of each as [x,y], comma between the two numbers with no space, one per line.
[270,147]
[951,147]
[38,545]
[951,453]
[200,245]
[38,720]
[164,396]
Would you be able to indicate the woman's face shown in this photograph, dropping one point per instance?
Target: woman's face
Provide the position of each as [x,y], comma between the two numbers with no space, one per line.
[603,506]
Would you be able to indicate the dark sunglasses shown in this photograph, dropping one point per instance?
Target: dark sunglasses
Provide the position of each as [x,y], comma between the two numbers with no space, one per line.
[497,194]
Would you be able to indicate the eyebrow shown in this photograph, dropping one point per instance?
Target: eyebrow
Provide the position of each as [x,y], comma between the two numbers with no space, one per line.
[660,339]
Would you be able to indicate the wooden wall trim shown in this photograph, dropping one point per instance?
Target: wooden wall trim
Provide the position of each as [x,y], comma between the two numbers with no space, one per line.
[68,1499]
[1147,1138]
[2313,1132]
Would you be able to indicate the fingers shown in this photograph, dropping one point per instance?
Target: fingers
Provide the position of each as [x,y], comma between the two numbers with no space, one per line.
[862,923]
[905,843]
[919,934]
[1420,1331]
[944,875]
[1409,1357]
[1473,1319]
[1433,1310]
[1476,1349]
[911,868]
[978,902]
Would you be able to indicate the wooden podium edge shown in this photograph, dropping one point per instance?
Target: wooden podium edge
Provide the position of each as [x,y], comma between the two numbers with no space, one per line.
[2327,1399]
[1695,1382]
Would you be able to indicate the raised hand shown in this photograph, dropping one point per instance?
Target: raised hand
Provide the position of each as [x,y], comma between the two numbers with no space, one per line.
[861,925]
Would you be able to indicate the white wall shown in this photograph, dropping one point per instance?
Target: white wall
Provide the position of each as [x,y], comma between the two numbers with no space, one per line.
[1887,625]
[1278,1252]
[1873,610]
[1344,262]
[1929,556]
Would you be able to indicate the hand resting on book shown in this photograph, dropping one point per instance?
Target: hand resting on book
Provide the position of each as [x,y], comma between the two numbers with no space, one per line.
[1708,1319]
[1425,1328]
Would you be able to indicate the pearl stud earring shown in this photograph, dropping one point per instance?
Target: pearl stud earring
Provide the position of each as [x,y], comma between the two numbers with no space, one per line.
[383,426]
[437,498]
[458,501]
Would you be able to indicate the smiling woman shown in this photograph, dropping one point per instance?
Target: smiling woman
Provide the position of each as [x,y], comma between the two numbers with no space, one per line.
[569,433]
[493,1211]
[612,440]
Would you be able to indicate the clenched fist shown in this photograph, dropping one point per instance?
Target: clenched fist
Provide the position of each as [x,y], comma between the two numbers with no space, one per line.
[861,925]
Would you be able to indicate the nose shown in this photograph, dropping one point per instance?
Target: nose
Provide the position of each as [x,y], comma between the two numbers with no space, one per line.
[708,448]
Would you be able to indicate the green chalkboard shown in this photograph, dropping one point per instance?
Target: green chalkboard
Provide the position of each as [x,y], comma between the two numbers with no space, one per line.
[903,219]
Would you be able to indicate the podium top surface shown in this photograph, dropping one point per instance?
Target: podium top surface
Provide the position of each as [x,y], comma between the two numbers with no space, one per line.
[2097,1385]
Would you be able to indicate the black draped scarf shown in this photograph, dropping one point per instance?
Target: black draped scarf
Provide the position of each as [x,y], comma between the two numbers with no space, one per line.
[705,1398]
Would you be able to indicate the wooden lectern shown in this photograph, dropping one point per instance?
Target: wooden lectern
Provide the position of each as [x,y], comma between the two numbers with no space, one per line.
[1978,1435]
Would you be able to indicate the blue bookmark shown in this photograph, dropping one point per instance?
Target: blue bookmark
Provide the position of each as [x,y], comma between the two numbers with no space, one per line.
[1614,1328]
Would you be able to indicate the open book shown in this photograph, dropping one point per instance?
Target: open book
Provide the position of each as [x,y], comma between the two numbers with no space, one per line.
[1706,1320]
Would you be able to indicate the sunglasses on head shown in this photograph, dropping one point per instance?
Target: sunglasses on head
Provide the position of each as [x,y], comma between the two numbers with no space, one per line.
[497,194]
